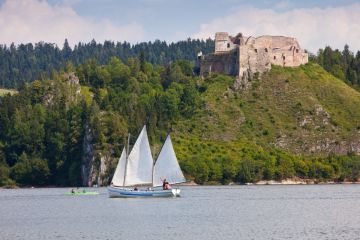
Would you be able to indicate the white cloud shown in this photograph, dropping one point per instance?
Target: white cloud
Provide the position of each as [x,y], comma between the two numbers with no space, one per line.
[313,27]
[23,21]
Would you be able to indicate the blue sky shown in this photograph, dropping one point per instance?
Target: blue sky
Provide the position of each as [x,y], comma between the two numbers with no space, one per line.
[179,19]
[314,23]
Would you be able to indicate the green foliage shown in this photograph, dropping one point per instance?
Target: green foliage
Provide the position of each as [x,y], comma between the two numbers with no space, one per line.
[343,65]
[43,127]
[250,171]
[4,174]
[33,171]
[220,135]
[28,62]
[202,170]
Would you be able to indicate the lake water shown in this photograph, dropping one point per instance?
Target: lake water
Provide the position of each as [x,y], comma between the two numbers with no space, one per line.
[219,212]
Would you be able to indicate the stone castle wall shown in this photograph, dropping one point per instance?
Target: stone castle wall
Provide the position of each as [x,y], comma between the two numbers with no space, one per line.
[226,63]
[244,56]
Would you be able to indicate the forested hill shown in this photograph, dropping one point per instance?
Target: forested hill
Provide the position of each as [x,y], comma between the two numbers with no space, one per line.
[70,129]
[27,62]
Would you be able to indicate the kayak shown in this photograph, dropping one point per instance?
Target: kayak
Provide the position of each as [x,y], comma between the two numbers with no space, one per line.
[81,193]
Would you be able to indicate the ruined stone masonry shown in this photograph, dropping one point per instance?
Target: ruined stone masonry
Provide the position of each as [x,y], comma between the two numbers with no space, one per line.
[244,56]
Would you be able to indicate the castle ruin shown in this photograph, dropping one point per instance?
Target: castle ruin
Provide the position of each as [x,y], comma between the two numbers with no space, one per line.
[244,56]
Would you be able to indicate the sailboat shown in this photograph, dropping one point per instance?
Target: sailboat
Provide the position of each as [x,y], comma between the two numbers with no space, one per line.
[137,168]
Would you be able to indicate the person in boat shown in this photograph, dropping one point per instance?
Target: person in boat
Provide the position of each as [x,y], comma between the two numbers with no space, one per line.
[166,185]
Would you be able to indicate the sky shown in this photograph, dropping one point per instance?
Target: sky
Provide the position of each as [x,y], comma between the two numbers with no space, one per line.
[315,24]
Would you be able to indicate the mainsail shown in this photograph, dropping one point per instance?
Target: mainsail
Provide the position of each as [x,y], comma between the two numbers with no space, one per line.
[167,166]
[140,163]
[118,178]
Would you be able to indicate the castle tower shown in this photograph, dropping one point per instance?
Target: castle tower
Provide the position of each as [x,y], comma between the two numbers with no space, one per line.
[221,42]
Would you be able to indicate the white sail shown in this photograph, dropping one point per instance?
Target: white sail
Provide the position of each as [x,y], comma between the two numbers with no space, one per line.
[118,178]
[140,163]
[167,166]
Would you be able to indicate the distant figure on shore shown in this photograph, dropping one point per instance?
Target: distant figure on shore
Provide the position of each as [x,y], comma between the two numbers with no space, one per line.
[72,190]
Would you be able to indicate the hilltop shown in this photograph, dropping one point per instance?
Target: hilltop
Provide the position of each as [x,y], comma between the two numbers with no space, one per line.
[293,122]
[303,112]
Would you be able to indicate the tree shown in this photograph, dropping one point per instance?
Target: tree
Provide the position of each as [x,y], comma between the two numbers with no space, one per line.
[142,61]
[285,166]
[4,174]
[342,65]
[229,170]
[250,171]
[66,50]
[40,172]
[201,171]
[21,170]
[189,100]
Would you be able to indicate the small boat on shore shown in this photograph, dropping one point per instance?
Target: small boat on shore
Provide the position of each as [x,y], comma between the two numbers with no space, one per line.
[137,169]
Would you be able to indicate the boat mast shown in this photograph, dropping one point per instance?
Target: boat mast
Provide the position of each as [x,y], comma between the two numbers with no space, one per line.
[152,173]
[127,156]
[158,157]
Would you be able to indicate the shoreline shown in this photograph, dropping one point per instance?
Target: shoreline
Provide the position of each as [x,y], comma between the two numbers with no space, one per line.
[280,182]
[192,184]
[300,182]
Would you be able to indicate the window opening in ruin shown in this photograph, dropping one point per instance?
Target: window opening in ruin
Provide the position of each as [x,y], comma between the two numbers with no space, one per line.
[266,50]
[297,50]
[228,45]
[255,50]
[283,57]
[274,57]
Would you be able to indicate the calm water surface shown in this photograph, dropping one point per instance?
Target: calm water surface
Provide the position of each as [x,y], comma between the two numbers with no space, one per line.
[237,212]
